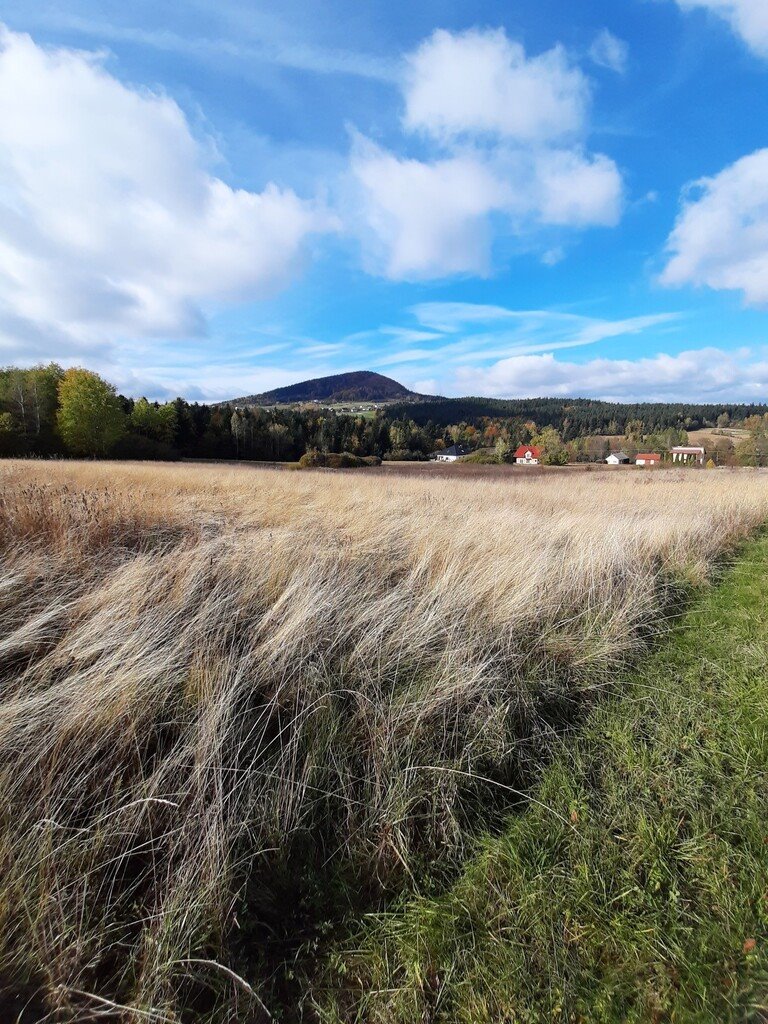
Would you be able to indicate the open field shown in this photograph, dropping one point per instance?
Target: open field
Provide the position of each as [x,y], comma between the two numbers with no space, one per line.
[241,706]
[709,436]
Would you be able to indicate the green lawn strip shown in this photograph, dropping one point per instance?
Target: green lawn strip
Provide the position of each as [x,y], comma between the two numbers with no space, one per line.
[636,887]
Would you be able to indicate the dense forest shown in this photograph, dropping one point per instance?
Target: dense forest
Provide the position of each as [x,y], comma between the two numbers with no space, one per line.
[577,417]
[47,411]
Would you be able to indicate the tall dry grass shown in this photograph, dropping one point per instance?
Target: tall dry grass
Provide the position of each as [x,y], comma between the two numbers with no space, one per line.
[218,682]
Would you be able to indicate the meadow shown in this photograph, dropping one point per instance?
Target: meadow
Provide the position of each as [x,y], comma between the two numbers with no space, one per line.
[241,707]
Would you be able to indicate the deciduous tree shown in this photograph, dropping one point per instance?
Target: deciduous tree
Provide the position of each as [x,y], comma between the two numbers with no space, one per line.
[91,419]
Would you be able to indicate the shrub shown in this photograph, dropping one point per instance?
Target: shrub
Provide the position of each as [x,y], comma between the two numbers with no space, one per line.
[484,457]
[314,459]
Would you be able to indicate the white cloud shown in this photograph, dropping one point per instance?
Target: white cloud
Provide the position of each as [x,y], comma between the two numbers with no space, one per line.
[272,44]
[748,18]
[608,51]
[452,316]
[482,81]
[530,331]
[574,190]
[721,235]
[428,220]
[708,374]
[560,328]
[481,346]
[508,159]
[110,223]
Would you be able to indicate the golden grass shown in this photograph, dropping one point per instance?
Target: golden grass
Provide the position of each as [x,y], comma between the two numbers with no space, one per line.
[206,669]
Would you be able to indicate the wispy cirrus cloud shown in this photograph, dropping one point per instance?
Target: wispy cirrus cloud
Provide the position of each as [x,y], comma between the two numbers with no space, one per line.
[516,355]
[268,41]
[468,339]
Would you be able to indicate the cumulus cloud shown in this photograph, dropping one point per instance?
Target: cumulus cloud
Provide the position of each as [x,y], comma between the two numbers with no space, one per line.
[608,51]
[507,134]
[482,81]
[705,374]
[427,220]
[110,223]
[576,190]
[748,18]
[721,235]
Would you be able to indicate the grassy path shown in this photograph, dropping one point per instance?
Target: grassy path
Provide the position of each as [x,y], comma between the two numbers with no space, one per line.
[637,889]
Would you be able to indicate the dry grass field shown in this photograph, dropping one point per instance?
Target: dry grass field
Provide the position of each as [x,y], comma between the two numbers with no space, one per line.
[222,687]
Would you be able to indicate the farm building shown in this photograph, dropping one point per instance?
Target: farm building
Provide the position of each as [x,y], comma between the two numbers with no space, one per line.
[688,453]
[648,459]
[528,455]
[451,454]
[617,459]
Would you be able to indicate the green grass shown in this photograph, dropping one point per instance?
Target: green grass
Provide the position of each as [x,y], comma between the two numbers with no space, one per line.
[635,887]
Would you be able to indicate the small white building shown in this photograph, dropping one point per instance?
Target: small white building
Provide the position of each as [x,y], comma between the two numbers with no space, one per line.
[456,451]
[617,459]
[688,453]
[528,455]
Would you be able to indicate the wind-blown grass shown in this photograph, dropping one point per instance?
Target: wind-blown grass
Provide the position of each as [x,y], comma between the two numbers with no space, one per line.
[220,686]
[634,888]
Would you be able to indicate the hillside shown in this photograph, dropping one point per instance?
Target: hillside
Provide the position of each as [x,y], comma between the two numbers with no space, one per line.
[358,386]
[575,416]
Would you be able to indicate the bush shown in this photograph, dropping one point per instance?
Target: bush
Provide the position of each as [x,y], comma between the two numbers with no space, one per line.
[336,460]
[484,457]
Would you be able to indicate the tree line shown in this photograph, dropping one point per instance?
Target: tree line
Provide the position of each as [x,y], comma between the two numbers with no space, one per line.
[49,411]
[581,417]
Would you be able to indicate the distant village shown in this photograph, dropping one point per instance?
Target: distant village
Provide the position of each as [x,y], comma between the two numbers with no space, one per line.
[531,455]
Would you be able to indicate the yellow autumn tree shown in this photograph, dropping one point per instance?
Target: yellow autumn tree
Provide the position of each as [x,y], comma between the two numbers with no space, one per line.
[90,417]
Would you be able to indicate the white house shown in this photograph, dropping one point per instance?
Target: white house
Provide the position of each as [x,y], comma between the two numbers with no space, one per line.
[688,453]
[617,459]
[528,455]
[456,451]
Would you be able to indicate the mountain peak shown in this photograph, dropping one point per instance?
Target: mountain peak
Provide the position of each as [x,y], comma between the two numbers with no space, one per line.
[357,386]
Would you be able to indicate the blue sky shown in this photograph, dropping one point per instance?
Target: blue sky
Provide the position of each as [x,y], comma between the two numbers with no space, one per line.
[539,197]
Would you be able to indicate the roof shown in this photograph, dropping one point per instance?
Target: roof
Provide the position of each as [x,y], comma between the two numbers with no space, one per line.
[525,448]
[683,449]
[647,456]
[619,455]
[456,449]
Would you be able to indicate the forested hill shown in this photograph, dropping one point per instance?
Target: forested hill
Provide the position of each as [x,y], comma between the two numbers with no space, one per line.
[359,386]
[574,417]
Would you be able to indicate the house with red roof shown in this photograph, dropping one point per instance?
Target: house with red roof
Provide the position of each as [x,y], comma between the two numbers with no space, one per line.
[528,455]
[648,459]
